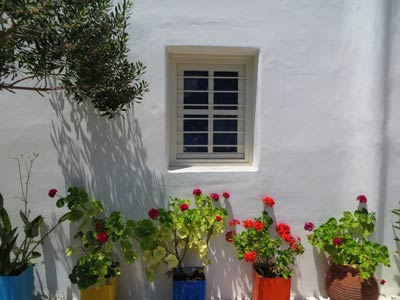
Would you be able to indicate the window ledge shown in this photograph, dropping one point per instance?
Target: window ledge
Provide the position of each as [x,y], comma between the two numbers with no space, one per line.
[210,169]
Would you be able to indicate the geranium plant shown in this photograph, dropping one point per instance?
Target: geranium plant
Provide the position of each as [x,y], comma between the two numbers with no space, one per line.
[167,235]
[346,240]
[99,237]
[272,252]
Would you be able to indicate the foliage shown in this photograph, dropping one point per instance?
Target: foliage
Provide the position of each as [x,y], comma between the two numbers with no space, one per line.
[347,241]
[272,255]
[16,258]
[99,236]
[167,236]
[396,225]
[76,46]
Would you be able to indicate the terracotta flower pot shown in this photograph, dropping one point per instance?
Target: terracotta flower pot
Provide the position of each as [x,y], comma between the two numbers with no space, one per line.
[345,283]
[270,288]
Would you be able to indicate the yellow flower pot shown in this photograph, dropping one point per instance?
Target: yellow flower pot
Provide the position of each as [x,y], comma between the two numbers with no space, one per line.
[107,292]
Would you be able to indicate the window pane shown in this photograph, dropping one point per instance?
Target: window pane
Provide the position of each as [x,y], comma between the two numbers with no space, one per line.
[195,98]
[196,83]
[226,98]
[194,149]
[195,125]
[225,139]
[225,116]
[224,149]
[196,73]
[195,139]
[225,74]
[226,84]
[187,116]
[225,125]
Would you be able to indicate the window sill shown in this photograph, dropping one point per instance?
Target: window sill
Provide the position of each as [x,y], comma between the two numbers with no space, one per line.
[211,169]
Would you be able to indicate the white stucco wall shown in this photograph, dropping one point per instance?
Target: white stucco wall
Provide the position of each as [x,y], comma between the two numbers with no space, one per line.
[327,119]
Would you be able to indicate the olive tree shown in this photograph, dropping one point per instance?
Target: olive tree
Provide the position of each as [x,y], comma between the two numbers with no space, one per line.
[79,46]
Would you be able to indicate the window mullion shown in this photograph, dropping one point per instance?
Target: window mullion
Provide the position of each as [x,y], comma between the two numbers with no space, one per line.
[210,110]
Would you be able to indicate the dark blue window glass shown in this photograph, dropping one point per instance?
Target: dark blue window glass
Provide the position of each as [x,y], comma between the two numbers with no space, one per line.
[195,125]
[225,139]
[195,83]
[195,149]
[226,98]
[221,139]
[225,125]
[195,98]
[226,84]
[192,139]
[195,139]
[225,74]
[225,149]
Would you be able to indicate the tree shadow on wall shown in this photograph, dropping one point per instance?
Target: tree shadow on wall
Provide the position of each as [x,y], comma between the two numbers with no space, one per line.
[107,157]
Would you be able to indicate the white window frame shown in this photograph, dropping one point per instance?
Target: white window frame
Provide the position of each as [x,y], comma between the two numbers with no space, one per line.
[222,158]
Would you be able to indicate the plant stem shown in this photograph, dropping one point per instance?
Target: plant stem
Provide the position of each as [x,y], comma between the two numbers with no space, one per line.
[176,250]
[44,236]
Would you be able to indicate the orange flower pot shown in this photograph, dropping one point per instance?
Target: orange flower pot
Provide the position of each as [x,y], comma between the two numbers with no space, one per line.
[108,291]
[270,288]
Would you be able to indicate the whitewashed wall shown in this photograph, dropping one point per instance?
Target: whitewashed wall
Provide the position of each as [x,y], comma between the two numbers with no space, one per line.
[327,119]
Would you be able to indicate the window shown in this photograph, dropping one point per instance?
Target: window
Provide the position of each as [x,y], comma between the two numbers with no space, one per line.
[212,109]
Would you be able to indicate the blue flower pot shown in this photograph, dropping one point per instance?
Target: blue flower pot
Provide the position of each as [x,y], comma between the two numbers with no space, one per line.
[189,287]
[18,287]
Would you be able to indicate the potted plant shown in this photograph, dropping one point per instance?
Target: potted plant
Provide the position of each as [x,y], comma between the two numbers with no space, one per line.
[96,271]
[353,257]
[18,250]
[272,254]
[169,234]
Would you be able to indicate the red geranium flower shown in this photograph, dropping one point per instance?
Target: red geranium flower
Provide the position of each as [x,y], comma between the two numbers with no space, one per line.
[337,241]
[362,198]
[247,223]
[184,206]
[226,195]
[283,229]
[258,225]
[52,193]
[229,236]
[101,237]
[383,281]
[250,256]
[214,196]
[234,222]
[99,226]
[269,201]
[287,237]
[309,226]
[291,240]
[218,218]
[153,213]
[197,192]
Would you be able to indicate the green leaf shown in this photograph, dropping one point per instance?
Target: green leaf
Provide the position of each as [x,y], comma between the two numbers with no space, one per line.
[69,251]
[35,254]
[1,201]
[5,224]
[33,227]
[24,218]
